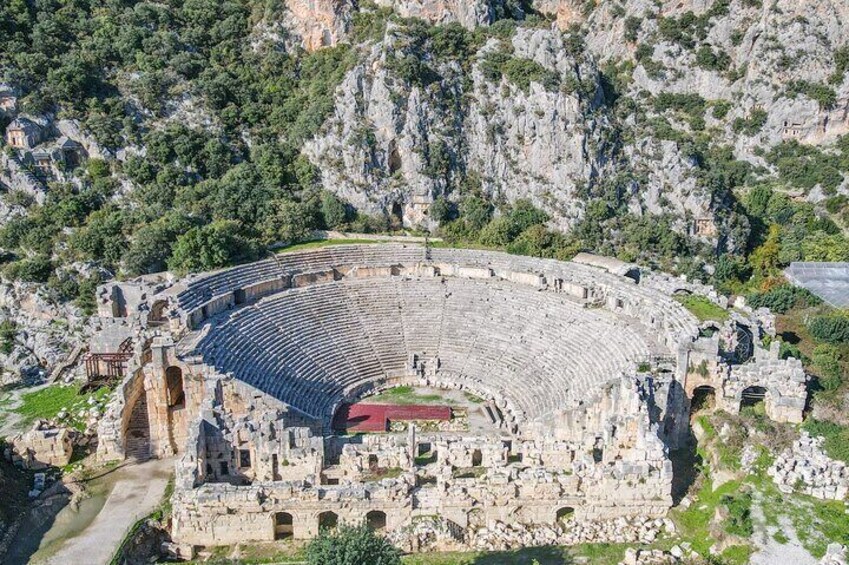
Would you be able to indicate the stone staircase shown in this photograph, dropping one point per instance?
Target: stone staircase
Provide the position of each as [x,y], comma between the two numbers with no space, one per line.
[138,432]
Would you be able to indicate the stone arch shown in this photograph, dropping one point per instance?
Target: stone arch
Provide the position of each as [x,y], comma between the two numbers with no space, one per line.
[376,520]
[745,343]
[283,525]
[328,520]
[704,398]
[176,395]
[564,513]
[477,458]
[157,312]
[752,396]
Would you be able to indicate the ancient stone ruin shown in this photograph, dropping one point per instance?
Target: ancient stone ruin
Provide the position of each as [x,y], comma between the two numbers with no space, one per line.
[580,377]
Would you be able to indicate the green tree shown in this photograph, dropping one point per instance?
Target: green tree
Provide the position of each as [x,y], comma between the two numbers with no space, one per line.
[334,211]
[210,247]
[349,545]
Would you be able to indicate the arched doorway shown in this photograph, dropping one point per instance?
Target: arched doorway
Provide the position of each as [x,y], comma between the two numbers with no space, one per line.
[704,398]
[745,347]
[283,527]
[376,520]
[328,521]
[157,313]
[477,458]
[753,397]
[565,513]
[174,387]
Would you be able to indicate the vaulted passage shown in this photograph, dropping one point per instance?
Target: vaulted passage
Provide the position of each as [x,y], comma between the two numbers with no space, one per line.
[174,384]
[704,398]
[376,520]
[283,525]
[753,397]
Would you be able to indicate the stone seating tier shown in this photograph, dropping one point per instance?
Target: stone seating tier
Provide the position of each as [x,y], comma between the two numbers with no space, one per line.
[532,352]
[658,312]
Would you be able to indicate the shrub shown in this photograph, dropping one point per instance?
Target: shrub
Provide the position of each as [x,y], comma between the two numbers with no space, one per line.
[739,514]
[826,357]
[830,328]
[751,125]
[35,269]
[824,95]
[781,298]
[8,333]
[711,60]
[632,28]
[351,546]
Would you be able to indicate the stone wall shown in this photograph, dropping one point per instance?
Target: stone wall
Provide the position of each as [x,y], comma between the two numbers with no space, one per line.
[43,446]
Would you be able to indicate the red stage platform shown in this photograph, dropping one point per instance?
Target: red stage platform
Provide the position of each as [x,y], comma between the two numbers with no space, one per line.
[376,417]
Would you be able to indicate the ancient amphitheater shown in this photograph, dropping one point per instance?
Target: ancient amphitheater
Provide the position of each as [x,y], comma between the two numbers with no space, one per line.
[567,385]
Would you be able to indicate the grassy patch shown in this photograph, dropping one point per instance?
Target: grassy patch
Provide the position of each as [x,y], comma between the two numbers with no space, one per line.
[737,554]
[702,308]
[48,402]
[407,395]
[694,522]
[472,398]
[597,554]
[818,523]
[327,243]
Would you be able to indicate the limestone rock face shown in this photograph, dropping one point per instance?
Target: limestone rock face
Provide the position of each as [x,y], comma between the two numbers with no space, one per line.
[468,13]
[382,145]
[45,333]
[319,23]
[567,12]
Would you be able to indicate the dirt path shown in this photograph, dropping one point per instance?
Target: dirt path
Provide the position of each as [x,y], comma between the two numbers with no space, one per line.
[770,551]
[137,492]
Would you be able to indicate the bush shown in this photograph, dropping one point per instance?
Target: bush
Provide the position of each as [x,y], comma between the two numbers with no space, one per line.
[751,125]
[351,546]
[782,298]
[36,269]
[826,357]
[739,521]
[707,58]
[8,333]
[831,328]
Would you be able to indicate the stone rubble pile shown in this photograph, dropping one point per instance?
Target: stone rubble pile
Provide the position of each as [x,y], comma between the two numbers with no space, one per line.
[422,534]
[834,555]
[806,468]
[677,554]
[503,536]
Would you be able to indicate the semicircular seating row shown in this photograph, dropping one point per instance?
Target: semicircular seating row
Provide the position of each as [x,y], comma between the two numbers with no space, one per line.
[312,347]
[656,311]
